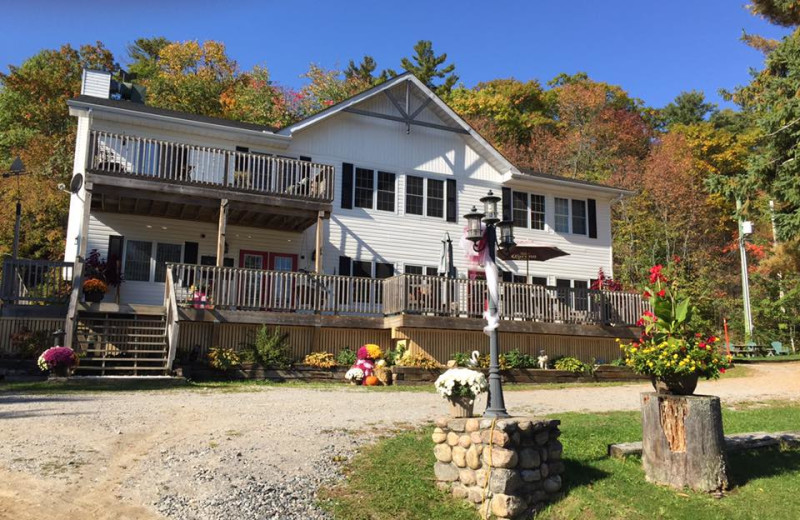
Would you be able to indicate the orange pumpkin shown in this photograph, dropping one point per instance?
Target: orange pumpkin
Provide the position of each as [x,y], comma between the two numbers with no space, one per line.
[371,381]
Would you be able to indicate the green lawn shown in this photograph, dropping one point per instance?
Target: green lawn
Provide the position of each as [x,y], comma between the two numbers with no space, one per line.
[767,359]
[394,478]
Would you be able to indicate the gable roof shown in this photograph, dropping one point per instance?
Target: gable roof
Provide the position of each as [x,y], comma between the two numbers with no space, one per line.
[557,179]
[441,108]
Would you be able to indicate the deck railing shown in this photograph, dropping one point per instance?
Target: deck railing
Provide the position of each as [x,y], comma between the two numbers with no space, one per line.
[190,164]
[205,287]
[36,282]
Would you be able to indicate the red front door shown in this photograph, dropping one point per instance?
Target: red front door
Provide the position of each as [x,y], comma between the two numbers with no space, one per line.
[253,285]
[281,292]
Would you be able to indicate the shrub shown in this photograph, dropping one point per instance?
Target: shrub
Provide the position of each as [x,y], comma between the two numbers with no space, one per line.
[346,357]
[391,357]
[516,359]
[462,359]
[27,344]
[223,358]
[619,362]
[572,364]
[320,360]
[57,357]
[272,348]
[417,360]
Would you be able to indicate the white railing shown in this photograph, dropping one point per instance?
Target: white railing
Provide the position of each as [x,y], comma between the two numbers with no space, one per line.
[171,318]
[205,287]
[189,164]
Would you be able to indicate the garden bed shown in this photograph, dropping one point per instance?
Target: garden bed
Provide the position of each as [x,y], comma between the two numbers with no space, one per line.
[20,370]
[202,372]
[604,373]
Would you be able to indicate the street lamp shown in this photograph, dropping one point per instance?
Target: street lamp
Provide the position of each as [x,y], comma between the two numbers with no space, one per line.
[495,406]
[745,229]
[17,169]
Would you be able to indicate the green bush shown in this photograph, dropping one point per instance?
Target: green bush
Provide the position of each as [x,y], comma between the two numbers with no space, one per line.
[346,357]
[619,362]
[572,364]
[271,348]
[516,359]
[461,359]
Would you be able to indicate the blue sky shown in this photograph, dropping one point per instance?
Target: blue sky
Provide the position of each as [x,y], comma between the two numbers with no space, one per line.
[654,50]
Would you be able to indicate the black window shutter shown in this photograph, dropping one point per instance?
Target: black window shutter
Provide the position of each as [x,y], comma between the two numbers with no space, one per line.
[507,275]
[347,186]
[592,217]
[507,204]
[452,203]
[190,252]
[114,257]
[344,266]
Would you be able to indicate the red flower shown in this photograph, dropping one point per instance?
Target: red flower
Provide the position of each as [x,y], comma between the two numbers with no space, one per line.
[702,345]
[655,274]
[676,259]
[662,293]
[713,339]
[722,370]
[646,294]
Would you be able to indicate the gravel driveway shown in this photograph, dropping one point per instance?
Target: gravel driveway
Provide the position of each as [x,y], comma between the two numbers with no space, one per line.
[215,454]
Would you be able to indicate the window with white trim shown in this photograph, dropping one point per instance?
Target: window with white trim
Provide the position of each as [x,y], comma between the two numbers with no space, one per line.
[386,191]
[519,203]
[415,195]
[570,216]
[435,198]
[537,211]
[166,254]
[364,186]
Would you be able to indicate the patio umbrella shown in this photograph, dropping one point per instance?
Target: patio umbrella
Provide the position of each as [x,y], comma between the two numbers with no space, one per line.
[446,269]
[528,250]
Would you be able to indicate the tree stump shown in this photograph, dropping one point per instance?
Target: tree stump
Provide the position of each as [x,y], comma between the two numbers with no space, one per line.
[682,441]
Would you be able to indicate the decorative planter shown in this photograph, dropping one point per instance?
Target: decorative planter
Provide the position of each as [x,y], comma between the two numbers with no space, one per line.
[60,371]
[93,297]
[461,407]
[676,385]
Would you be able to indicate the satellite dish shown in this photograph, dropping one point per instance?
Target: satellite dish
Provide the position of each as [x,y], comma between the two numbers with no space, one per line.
[76,183]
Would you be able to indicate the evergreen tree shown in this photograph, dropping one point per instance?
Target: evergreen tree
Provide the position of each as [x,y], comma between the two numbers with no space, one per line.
[428,67]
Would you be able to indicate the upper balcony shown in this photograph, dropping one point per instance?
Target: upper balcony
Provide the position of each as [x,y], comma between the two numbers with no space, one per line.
[128,170]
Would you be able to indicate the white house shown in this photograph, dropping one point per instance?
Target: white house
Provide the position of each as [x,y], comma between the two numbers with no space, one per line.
[329,225]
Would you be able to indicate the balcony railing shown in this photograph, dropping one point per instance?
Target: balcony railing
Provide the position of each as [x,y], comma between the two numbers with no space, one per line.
[206,287]
[36,282]
[201,165]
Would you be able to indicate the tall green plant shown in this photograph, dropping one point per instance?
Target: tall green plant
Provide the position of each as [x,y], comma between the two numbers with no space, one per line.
[271,348]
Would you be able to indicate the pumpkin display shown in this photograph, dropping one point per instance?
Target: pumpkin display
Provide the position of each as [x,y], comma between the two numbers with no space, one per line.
[371,381]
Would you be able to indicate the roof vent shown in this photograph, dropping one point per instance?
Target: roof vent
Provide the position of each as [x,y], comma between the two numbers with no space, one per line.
[96,83]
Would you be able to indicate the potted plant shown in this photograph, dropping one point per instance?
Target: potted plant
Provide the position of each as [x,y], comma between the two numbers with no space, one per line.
[460,386]
[58,360]
[94,289]
[669,351]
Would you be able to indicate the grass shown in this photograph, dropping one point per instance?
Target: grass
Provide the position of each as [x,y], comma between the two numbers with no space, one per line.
[393,479]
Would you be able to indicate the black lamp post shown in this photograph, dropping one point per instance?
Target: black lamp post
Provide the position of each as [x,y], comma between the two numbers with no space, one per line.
[495,406]
[17,169]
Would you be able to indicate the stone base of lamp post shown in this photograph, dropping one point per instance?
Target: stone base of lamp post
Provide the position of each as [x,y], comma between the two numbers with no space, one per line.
[682,441]
[508,468]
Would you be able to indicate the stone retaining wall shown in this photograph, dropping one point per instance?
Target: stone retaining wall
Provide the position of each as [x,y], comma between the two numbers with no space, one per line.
[509,471]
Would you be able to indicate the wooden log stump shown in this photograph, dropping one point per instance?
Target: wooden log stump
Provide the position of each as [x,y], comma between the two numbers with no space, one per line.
[682,441]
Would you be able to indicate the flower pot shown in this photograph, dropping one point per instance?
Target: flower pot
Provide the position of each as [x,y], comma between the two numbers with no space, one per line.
[461,406]
[675,385]
[60,371]
[93,297]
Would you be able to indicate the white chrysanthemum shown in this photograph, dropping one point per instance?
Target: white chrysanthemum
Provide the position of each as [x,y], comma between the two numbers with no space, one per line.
[354,374]
[471,379]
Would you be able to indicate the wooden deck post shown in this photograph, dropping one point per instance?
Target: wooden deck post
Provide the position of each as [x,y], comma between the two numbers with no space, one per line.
[71,322]
[223,221]
[318,250]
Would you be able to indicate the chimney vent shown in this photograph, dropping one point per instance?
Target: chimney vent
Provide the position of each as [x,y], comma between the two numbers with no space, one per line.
[96,83]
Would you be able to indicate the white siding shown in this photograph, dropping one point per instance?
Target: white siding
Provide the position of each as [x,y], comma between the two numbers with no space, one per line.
[170,231]
[75,218]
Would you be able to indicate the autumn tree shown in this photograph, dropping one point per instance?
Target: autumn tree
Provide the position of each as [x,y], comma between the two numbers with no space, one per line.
[192,77]
[781,12]
[255,98]
[687,108]
[144,54]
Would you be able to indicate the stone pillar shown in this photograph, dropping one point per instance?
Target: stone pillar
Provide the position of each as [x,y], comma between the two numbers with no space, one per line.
[682,441]
[509,472]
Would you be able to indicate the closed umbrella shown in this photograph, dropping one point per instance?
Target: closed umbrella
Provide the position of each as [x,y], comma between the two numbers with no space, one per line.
[446,269]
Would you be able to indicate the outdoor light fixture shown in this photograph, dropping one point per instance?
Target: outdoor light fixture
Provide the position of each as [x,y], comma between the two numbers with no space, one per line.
[490,208]
[506,234]
[474,229]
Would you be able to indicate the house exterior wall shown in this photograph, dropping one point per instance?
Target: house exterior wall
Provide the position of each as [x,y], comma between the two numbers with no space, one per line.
[401,238]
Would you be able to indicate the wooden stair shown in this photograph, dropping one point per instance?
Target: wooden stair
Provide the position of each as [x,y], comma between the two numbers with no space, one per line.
[116,343]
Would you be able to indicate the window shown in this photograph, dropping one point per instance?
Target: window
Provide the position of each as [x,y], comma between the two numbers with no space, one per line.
[362,269]
[412,269]
[386,189]
[579,217]
[537,211]
[562,215]
[364,187]
[581,295]
[166,253]
[435,198]
[383,270]
[137,261]
[520,209]
[414,195]
[539,280]
[517,278]
[432,271]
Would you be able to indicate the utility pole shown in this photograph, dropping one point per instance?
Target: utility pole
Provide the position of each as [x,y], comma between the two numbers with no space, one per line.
[745,228]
